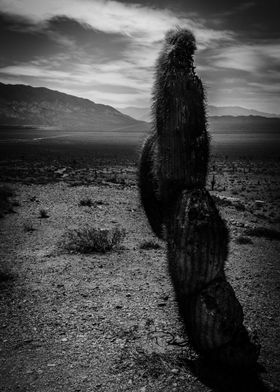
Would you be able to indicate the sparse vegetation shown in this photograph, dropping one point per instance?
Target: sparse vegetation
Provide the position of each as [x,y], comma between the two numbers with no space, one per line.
[43,214]
[6,192]
[86,203]
[242,240]
[108,293]
[90,203]
[28,227]
[5,203]
[6,275]
[91,239]
[150,244]
[77,298]
[265,232]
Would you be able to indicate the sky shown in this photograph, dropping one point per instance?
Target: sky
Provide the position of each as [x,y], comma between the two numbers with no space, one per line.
[105,50]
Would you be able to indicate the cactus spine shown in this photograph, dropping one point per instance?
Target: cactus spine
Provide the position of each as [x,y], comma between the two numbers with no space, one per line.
[172,177]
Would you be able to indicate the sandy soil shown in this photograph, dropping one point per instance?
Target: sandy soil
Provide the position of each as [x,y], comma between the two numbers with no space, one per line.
[108,322]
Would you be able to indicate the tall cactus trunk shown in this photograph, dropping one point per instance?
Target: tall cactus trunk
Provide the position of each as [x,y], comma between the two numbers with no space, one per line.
[172,179]
[197,241]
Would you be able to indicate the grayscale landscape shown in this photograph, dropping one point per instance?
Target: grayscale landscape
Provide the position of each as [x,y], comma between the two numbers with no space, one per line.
[105,106]
[73,318]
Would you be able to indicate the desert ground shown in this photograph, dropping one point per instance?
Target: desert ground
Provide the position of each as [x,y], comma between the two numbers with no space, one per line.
[74,319]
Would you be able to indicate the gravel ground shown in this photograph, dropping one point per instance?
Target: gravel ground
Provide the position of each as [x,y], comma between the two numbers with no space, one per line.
[108,322]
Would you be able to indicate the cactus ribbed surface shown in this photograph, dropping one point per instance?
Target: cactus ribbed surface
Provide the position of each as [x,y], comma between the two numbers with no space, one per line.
[179,117]
[172,178]
[148,185]
[197,242]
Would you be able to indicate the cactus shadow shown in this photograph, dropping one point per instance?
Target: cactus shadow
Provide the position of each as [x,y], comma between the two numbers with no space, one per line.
[222,379]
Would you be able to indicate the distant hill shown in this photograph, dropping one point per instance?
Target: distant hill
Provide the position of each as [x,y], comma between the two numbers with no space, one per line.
[141,114]
[26,105]
[41,107]
[144,114]
[236,111]
[243,124]
[225,123]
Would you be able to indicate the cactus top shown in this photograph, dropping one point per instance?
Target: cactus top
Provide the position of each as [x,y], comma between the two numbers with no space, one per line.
[178,91]
[179,47]
[179,114]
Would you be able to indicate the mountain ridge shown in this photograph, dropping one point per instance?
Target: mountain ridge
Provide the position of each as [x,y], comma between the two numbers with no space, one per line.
[26,105]
[23,105]
[144,113]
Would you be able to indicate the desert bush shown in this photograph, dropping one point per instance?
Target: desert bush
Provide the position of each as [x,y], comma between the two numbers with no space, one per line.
[150,244]
[86,203]
[90,239]
[243,240]
[43,214]
[6,192]
[28,227]
[89,203]
[5,276]
[5,203]
[265,232]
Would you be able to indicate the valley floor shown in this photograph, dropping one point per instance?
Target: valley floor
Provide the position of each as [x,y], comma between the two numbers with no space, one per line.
[108,322]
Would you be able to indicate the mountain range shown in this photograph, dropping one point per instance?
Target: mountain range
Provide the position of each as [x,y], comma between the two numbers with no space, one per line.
[22,105]
[144,114]
[39,106]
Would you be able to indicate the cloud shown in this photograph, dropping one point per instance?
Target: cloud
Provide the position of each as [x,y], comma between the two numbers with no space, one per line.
[242,73]
[250,58]
[106,50]
[33,71]
[102,43]
[139,22]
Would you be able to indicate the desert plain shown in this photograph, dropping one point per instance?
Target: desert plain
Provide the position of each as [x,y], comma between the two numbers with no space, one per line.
[73,319]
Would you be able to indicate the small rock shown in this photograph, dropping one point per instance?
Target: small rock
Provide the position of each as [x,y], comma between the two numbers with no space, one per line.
[175,371]
[60,171]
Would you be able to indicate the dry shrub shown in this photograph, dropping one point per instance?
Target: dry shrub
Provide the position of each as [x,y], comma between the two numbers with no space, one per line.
[150,244]
[43,214]
[265,232]
[5,203]
[6,192]
[86,203]
[28,227]
[242,240]
[90,239]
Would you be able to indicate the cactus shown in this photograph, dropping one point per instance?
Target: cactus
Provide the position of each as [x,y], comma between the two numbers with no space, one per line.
[173,171]
[197,242]
[179,118]
[148,186]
